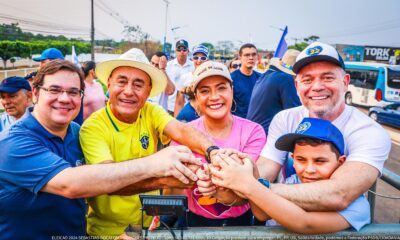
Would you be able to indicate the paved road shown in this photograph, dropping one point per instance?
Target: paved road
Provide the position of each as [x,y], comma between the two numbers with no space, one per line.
[388,210]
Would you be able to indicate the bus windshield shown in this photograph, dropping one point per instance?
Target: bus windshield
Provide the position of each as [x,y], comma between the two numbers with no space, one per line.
[393,78]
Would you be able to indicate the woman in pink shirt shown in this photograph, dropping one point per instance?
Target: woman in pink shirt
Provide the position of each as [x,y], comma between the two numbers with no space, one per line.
[212,86]
[94,98]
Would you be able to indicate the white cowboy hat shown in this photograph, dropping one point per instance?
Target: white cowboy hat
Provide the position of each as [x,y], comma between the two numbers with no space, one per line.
[286,63]
[134,58]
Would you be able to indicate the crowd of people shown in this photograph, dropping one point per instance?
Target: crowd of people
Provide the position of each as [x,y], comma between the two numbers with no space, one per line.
[246,148]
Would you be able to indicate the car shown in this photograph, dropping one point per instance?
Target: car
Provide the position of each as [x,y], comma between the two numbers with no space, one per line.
[389,114]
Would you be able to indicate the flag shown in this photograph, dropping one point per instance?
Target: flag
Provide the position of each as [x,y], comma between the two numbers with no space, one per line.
[74,57]
[282,46]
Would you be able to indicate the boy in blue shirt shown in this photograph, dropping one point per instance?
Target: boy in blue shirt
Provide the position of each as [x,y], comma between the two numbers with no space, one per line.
[318,150]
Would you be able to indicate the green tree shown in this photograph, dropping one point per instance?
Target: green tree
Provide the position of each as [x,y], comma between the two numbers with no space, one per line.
[311,39]
[299,46]
[9,49]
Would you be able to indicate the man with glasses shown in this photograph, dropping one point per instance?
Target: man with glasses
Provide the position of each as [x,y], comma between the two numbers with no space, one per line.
[200,55]
[15,96]
[176,68]
[127,128]
[244,79]
[42,183]
[160,60]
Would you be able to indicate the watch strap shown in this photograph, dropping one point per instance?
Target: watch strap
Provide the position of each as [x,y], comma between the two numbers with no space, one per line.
[264,182]
[208,152]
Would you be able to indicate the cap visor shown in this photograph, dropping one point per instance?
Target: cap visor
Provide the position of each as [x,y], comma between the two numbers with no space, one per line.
[38,59]
[9,89]
[317,58]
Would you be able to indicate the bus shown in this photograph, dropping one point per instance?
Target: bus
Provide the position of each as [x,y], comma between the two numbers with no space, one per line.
[373,84]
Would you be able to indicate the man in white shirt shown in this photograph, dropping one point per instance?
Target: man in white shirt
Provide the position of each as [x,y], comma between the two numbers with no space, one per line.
[175,68]
[321,84]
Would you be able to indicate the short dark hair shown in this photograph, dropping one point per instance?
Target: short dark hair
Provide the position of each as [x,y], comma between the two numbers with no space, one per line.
[54,66]
[87,66]
[316,142]
[160,54]
[246,45]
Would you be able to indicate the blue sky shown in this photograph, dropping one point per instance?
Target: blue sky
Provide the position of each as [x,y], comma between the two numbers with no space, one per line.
[361,22]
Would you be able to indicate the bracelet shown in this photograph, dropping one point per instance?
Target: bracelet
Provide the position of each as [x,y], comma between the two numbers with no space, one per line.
[232,203]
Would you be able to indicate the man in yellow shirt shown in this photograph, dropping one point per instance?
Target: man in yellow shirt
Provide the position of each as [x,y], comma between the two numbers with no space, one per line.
[129,128]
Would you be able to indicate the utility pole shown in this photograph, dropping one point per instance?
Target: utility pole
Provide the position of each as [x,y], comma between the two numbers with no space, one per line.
[92,31]
[165,33]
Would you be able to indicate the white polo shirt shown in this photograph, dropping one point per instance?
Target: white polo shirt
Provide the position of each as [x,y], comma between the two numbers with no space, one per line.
[175,71]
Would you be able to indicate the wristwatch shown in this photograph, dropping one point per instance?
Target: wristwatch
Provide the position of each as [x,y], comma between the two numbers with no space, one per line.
[264,182]
[208,151]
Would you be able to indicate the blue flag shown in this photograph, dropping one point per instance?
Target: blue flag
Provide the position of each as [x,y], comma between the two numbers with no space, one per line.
[282,46]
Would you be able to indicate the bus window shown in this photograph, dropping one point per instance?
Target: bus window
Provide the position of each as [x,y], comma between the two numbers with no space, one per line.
[363,78]
[393,78]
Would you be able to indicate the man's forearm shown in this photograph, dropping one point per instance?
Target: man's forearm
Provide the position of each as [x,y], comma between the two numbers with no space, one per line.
[150,185]
[170,88]
[93,180]
[188,136]
[346,184]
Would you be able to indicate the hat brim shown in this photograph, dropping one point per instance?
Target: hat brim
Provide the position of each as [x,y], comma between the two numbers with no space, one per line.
[276,62]
[158,78]
[316,58]
[10,89]
[287,141]
[195,84]
[38,59]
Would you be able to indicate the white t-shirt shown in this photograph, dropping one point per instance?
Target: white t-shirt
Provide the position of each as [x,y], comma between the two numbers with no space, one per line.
[365,140]
[175,71]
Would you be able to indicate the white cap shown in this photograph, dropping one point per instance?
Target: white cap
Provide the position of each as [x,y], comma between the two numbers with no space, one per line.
[317,52]
[208,69]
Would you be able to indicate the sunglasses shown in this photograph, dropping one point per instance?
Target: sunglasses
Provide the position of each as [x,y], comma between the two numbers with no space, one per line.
[235,66]
[202,58]
[181,49]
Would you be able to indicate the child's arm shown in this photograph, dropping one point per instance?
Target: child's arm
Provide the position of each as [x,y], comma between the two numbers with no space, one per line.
[283,211]
[292,216]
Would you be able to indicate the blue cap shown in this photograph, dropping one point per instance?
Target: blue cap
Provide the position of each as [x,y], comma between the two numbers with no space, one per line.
[14,84]
[312,128]
[50,53]
[200,49]
[317,52]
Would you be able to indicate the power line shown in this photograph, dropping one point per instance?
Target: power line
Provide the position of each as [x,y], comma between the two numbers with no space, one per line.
[48,27]
[379,27]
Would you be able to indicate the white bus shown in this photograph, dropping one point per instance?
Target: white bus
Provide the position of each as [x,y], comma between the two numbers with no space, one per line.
[373,84]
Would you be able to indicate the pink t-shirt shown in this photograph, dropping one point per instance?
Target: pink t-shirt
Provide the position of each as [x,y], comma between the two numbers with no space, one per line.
[94,99]
[247,137]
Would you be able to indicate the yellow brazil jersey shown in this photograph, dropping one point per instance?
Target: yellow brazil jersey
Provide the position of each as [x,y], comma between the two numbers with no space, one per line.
[103,137]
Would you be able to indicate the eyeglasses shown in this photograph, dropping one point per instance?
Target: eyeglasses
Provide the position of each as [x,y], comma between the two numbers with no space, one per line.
[71,93]
[202,58]
[235,66]
[181,49]
[247,55]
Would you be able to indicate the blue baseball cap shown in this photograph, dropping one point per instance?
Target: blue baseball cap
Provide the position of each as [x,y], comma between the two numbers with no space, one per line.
[14,84]
[317,52]
[200,49]
[312,128]
[50,53]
